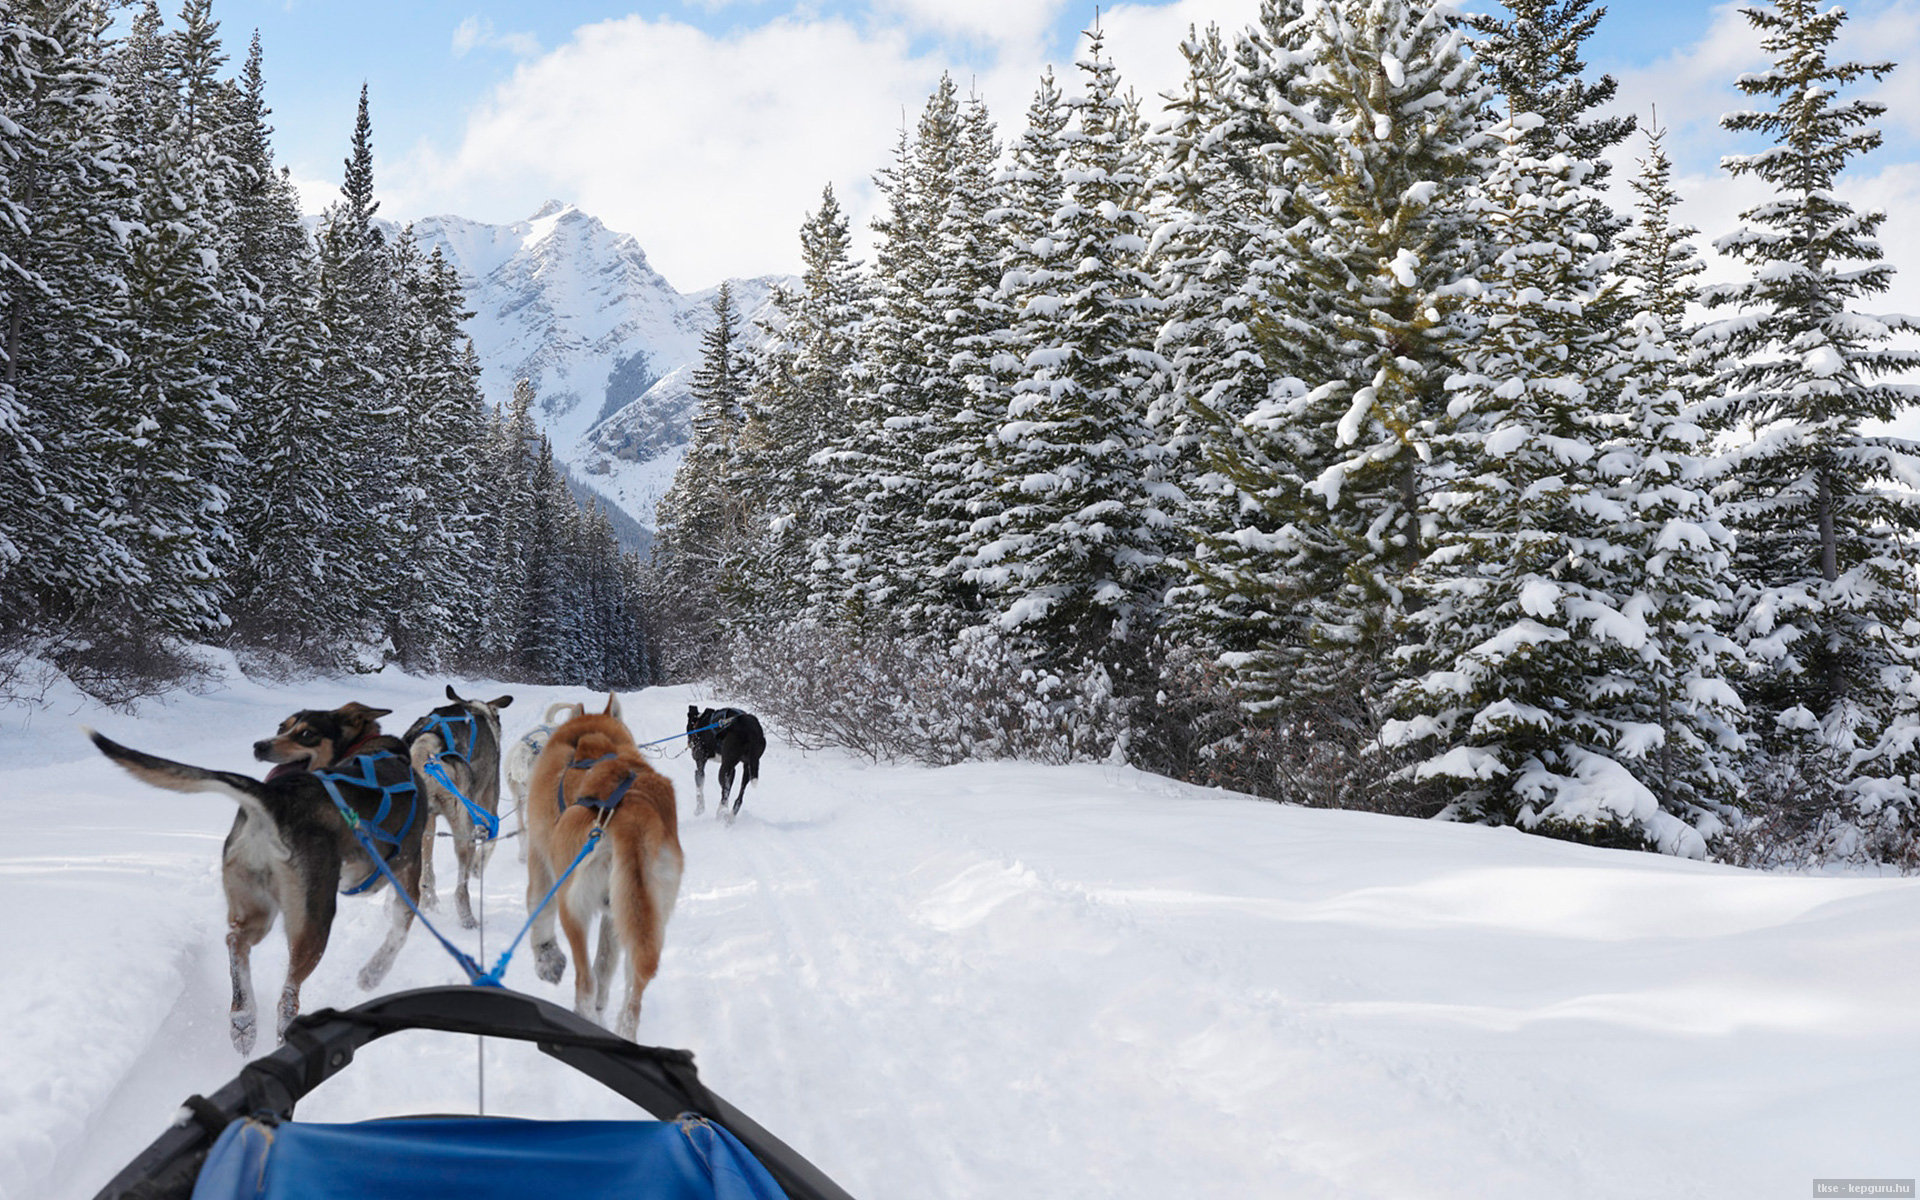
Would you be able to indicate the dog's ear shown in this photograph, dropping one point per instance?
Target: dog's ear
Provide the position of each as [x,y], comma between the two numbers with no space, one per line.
[497,701]
[613,706]
[354,710]
[693,712]
[453,695]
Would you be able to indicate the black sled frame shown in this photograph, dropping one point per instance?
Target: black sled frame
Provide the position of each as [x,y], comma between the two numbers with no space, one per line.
[321,1044]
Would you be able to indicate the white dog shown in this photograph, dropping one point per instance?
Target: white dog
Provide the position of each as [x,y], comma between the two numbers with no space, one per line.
[526,748]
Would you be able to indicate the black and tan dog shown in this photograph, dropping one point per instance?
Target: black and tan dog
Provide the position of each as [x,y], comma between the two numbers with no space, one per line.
[460,741]
[736,739]
[291,852]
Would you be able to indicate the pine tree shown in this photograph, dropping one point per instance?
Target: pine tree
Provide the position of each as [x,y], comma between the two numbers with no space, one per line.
[1655,467]
[1822,507]
[809,368]
[1214,263]
[1525,637]
[1377,113]
[357,299]
[895,554]
[1077,541]
[1533,58]
[705,515]
[66,192]
[169,429]
[1030,190]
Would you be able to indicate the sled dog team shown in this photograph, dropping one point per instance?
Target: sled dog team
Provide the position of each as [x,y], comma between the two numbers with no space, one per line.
[340,788]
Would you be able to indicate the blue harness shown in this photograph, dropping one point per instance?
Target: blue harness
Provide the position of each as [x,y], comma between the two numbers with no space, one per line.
[374,827]
[604,806]
[443,726]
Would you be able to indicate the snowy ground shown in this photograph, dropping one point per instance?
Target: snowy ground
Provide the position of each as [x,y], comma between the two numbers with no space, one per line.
[1008,980]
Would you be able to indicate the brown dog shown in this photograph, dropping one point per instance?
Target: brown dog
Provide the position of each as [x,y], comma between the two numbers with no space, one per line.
[590,776]
[290,853]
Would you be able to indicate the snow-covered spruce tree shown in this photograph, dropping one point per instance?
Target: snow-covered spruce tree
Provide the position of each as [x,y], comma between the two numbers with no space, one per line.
[1376,116]
[1030,190]
[432,608]
[64,191]
[1210,198]
[1680,709]
[974,317]
[507,469]
[169,427]
[1824,510]
[1522,638]
[896,552]
[1073,552]
[1533,58]
[703,518]
[356,305]
[808,369]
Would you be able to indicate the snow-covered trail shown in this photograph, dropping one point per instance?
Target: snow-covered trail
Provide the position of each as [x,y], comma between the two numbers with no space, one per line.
[1004,979]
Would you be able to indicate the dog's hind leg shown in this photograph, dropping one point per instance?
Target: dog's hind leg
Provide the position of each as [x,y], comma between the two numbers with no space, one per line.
[726,786]
[429,895]
[606,959]
[247,923]
[464,850]
[307,933]
[699,786]
[574,925]
[252,905]
[548,962]
[402,918]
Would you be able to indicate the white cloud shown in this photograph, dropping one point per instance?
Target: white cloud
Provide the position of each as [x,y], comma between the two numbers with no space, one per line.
[710,150]
[1002,22]
[315,194]
[477,32]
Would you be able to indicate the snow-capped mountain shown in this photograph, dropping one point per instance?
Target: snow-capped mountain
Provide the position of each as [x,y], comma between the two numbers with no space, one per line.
[608,343]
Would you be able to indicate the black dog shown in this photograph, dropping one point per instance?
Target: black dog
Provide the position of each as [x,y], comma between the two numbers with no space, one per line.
[733,737]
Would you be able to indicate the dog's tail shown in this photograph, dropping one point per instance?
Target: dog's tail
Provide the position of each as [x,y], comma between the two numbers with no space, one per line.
[180,777]
[642,893]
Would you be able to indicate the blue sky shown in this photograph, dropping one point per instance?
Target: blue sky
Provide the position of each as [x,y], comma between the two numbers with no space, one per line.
[707,128]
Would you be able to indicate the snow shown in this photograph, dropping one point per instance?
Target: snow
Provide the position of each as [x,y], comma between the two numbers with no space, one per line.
[1007,979]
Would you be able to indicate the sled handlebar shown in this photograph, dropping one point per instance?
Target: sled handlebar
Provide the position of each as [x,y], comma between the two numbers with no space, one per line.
[321,1044]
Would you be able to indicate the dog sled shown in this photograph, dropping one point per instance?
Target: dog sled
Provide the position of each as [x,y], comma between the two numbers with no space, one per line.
[242,1143]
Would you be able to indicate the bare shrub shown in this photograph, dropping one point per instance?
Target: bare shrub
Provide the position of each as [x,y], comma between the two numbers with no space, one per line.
[1323,754]
[1798,818]
[921,698]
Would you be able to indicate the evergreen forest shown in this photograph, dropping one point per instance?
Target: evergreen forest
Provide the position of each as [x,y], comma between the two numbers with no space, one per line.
[1345,435]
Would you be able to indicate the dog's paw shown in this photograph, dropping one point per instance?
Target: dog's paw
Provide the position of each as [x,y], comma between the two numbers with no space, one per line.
[243,1031]
[465,908]
[429,898]
[285,1012]
[375,970]
[550,962]
[699,806]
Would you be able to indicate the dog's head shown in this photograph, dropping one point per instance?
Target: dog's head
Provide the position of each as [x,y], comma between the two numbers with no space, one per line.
[699,736]
[314,739]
